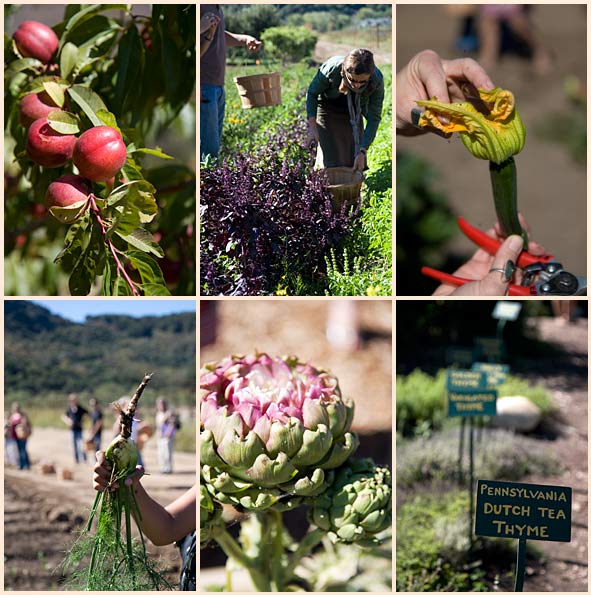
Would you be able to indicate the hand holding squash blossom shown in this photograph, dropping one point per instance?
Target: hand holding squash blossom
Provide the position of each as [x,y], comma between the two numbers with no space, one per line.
[490,127]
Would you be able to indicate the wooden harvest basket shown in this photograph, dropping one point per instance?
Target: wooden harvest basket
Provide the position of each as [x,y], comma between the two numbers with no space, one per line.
[259,90]
[344,185]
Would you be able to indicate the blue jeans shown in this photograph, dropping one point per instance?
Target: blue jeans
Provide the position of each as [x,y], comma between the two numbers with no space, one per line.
[23,457]
[79,453]
[213,107]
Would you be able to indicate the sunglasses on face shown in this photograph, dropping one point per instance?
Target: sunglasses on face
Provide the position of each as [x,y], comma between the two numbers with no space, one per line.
[357,82]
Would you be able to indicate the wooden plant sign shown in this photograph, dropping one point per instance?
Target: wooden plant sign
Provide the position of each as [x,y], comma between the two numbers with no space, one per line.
[523,511]
[496,374]
[469,395]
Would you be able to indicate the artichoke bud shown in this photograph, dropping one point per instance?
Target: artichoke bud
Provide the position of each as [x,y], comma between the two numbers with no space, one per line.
[494,132]
[286,438]
[123,454]
[240,453]
[315,446]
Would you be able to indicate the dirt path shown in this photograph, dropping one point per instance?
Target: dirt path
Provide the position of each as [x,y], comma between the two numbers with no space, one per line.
[42,511]
[552,187]
[325,49]
[567,565]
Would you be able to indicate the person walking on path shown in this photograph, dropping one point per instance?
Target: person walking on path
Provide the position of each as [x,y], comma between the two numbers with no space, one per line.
[345,90]
[73,418]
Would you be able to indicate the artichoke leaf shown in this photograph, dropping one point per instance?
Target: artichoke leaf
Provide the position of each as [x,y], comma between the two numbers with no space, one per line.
[316,445]
[341,451]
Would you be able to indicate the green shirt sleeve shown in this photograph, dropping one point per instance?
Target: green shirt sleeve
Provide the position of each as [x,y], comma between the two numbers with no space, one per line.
[319,84]
[374,112]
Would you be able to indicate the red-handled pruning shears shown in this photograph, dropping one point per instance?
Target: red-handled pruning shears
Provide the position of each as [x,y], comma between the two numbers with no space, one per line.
[552,279]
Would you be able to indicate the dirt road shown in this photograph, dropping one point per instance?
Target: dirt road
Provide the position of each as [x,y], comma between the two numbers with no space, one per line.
[42,512]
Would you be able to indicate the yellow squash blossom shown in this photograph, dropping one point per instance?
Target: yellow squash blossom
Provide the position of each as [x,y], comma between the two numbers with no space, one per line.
[495,132]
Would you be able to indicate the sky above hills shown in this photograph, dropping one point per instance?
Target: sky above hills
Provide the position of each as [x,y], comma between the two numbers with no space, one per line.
[79,310]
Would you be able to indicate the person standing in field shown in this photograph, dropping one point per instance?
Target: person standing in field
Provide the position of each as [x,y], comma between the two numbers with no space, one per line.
[73,418]
[166,426]
[214,40]
[96,417]
[19,427]
[345,90]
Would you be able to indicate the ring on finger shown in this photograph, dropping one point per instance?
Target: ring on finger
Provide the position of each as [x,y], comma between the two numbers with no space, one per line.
[506,272]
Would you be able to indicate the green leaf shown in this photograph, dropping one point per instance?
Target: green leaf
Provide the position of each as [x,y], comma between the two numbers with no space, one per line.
[157,152]
[37,84]
[87,13]
[71,213]
[21,65]
[68,59]
[121,287]
[121,192]
[142,240]
[108,119]
[88,101]
[64,122]
[87,267]
[147,267]
[152,289]
[130,62]
[73,244]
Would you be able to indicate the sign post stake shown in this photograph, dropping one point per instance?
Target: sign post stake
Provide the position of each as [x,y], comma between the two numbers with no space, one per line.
[461,453]
[520,568]
[471,487]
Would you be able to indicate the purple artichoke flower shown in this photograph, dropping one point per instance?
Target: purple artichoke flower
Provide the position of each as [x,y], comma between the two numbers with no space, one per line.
[272,430]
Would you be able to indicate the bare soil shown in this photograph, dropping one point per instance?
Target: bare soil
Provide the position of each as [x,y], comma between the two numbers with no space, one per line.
[551,185]
[42,513]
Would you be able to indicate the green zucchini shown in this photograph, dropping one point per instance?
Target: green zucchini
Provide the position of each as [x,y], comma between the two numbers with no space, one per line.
[503,178]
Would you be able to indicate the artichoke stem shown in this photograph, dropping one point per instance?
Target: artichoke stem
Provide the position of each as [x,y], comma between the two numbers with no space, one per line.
[234,551]
[306,545]
[503,177]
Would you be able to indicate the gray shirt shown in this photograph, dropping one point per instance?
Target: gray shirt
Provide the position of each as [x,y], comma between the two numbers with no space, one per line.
[213,62]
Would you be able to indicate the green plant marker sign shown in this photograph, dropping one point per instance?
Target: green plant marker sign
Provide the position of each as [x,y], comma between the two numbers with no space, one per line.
[469,395]
[459,356]
[522,511]
[527,510]
[491,349]
[496,374]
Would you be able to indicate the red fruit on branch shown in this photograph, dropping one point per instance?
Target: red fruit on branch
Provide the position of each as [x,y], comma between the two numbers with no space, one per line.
[35,106]
[47,147]
[67,190]
[100,153]
[36,40]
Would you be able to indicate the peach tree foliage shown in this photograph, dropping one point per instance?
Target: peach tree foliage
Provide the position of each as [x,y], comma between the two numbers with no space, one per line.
[132,74]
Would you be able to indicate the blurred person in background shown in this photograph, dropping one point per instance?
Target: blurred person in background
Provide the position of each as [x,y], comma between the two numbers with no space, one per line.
[167,425]
[96,430]
[19,429]
[73,418]
[345,90]
[214,40]
[516,17]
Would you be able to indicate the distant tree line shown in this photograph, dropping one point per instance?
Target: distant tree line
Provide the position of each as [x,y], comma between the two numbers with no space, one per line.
[106,356]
